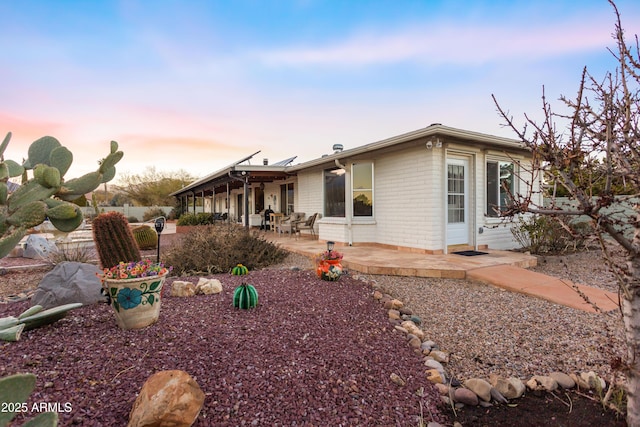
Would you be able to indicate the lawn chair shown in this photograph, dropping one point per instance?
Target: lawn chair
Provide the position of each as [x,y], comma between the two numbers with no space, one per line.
[289,224]
[307,225]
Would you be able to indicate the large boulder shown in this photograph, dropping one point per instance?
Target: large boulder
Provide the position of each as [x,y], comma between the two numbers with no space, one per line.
[67,283]
[167,398]
[37,247]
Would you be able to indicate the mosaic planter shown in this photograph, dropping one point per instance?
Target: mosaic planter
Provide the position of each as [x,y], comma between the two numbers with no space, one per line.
[329,270]
[135,302]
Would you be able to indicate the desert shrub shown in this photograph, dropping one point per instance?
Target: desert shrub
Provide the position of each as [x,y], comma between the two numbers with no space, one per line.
[218,248]
[72,253]
[201,218]
[541,234]
[131,219]
[152,213]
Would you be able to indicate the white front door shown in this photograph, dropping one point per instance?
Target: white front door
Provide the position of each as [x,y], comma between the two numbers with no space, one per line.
[457,202]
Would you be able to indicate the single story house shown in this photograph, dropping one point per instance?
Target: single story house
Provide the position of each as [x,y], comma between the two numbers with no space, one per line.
[432,190]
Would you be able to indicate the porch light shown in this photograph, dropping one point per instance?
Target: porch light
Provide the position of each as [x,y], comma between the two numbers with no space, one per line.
[330,245]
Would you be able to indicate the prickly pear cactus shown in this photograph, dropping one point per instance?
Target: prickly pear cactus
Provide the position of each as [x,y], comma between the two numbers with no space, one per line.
[47,194]
[14,392]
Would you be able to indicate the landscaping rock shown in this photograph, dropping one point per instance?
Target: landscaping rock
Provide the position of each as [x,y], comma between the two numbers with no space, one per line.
[440,356]
[563,380]
[542,383]
[69,282]
[435,376]
[433,364]
[397,379]
[480,387]
[466,396]
[510,388]
[412,328]
[167,398]
[181,288]
[38,247]
[593,380]
[394,314]
[208,286]
[497,396]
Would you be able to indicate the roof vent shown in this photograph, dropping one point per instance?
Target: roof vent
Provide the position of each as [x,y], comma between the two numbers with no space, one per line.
[265,161]
[337,148]
[435,124]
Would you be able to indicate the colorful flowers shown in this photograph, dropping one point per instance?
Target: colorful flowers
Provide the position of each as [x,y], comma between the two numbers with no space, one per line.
[328,255]
[132,270]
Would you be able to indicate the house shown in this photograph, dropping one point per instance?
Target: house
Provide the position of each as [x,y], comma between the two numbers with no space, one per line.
[430,190]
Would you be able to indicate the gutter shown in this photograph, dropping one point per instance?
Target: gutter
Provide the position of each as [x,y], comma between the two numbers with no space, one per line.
[348,206]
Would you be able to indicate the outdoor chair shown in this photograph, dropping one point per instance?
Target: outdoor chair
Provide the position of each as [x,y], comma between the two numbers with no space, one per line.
[289,224]
[309,224]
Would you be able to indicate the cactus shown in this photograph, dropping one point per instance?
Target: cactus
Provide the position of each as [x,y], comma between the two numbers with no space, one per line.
[15,389]
[245,296]
[47,193]
[114,239]
[11,327]
[145,236]
[239,270]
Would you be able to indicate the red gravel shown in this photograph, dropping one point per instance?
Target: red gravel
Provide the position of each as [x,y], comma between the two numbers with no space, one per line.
[312,353]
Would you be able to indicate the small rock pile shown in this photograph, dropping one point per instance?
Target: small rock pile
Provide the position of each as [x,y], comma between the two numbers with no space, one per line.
[473,391]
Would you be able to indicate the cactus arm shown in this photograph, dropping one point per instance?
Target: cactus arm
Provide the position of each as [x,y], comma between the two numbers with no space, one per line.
[29,192]
[40,151]
[8,242]
[46,419]
[4,192]
[15,388]
[29,215]
[15,169]
[5,142]
[61,159]
[47,316]
[108,175]
[11,334]
[8,322]
[30,311]
[69,224]
[76,187]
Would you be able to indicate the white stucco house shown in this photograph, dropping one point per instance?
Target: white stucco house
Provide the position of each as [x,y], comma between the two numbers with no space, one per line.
[431,190]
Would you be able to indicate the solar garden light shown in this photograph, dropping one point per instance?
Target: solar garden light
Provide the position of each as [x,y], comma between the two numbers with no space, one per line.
[159,225]
[330,246]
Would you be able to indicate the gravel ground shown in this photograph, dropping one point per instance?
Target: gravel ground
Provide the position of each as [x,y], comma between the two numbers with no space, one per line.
[490,330]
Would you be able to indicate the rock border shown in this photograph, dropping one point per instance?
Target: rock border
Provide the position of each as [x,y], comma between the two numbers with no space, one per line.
[472,391]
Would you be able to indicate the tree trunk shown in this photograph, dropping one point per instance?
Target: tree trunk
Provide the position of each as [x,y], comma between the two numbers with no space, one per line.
[631,317]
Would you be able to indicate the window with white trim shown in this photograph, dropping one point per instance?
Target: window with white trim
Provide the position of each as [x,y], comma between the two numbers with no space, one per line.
[500,186]
[334,193]
[362,189]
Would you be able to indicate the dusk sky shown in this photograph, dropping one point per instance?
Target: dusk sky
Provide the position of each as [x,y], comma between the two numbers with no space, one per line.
[197,85]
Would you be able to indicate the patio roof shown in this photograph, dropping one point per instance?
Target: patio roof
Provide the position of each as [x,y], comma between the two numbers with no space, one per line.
[233,175]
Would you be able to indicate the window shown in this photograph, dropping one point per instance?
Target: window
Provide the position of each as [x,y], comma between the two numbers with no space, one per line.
[500,186]
[362,176]
[334,194]
[286,198]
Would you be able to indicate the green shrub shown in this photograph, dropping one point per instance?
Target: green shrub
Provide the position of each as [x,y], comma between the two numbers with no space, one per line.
[543,234]
[131,219]
[218,248]
[153,213]
[196,219]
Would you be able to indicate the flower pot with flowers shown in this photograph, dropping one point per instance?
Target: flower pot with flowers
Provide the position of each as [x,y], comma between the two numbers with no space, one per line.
[134,292]
[132,285]
[329,263]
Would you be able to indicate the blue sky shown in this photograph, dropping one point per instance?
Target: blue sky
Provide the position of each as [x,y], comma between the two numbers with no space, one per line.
[196,85]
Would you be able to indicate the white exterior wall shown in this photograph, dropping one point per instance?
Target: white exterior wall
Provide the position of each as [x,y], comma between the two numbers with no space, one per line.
[403,198]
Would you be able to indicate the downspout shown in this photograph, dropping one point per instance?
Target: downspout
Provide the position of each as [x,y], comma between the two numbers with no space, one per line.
[348,207]
[228,203]
[245,182]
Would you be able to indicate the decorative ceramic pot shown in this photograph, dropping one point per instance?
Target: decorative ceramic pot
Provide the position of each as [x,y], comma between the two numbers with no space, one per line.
[135,302]
[330,269]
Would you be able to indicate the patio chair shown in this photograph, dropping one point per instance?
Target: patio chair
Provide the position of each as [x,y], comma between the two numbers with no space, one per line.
[307,225]
[289,224]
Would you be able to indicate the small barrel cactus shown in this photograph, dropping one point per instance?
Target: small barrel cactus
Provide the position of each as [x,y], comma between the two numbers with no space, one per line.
[245,296]
[239,270]
[145,236]
[114,240]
